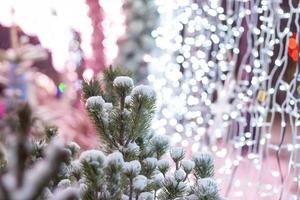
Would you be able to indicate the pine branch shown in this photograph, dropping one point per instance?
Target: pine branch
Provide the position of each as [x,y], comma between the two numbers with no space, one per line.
[122,116]
[93,180]
[172,189]
[31,179]
[142,111]
[109,76]
[25,121]
[102,128]
[91,88]
[51,166]
[204,166]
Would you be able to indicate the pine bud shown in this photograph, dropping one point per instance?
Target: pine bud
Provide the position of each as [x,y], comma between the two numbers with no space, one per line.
[177,153]
[115,159]
[63,184]
[206,187]
[204,166]
[202,158]
[144,91]
[139,182]
[159,144]
[75,165]
[163,166]
[158,179]
[150,162]
[123,85]
[94,157]
[179,175]
[123,81]
[132,149]
[132,168]
[93,101]
[146,196]
[187,165]
[74,147]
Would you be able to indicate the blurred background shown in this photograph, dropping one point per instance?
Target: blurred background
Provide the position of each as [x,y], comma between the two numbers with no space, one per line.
[226,73]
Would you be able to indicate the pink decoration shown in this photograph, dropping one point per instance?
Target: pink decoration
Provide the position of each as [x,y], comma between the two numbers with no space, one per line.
[96,15]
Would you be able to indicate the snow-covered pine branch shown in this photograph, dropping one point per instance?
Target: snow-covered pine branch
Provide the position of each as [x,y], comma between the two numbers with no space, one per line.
[28,173]
[135,167]
[132,163]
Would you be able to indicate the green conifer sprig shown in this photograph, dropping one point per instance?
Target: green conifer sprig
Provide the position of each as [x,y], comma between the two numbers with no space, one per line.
[172,189]
[204,166]
[92,176]
[109,76]
[122,115]
[91,88]
[142,111]
[130,113]
[32,166]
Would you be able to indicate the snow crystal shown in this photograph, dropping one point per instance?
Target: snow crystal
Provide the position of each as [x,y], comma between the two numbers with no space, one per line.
[115,158]
[187,165]
[143,90]
[128,99]
[158,178]
[94,100]
[92,156]
[108,106]
[63,184]
[69,193]
[133,147]
[75,165]
[163,164]
[132,168]
[205,187]
[160,140]
[104,116]
[177,153]
[150,162]
[179,174]
[202,157]
[139,182]
[173,182]
[123,81]
[146,196]
[170,180]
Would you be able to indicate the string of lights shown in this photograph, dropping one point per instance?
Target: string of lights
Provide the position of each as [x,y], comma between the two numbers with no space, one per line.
[226,75]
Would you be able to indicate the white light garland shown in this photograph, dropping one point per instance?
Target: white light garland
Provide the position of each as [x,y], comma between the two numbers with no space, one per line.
[219,75]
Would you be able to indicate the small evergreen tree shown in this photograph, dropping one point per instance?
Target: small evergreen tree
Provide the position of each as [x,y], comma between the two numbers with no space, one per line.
[30,166]
[133,167]
[130,164]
